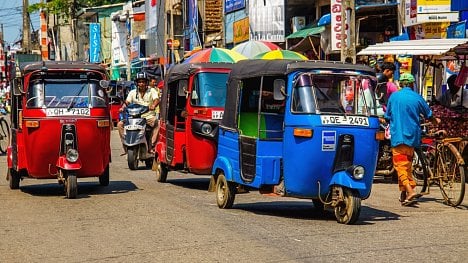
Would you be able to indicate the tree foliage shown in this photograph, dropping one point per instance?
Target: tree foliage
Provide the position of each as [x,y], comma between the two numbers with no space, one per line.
[65,7]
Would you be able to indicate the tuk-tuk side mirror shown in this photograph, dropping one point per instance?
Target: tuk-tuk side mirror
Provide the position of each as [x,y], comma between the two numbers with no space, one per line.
[17,85]
[106,85]
[182,88]
[279,92]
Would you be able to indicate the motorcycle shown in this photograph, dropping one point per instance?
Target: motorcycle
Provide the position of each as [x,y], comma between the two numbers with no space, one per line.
[137,136]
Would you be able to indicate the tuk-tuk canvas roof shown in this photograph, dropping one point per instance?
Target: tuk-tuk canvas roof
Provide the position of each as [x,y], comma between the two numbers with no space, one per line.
[245,69]
[65,65]
[184,70]
[414,47]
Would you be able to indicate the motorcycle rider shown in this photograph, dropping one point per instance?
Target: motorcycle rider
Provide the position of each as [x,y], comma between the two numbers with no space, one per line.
[145,96]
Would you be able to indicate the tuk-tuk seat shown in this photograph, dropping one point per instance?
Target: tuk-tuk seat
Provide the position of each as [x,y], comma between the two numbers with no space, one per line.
[248,124]
[271,125]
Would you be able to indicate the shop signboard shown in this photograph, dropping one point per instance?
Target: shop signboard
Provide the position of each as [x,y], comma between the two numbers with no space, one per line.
[438,17]
[94,42]
[233,5]
[336,18]
[433,6]
[241,30]
[267,20]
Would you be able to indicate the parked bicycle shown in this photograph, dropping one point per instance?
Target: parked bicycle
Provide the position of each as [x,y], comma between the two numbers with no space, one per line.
[439,162]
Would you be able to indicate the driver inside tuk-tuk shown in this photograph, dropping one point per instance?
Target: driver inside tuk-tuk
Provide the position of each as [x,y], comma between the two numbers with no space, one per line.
[145,96]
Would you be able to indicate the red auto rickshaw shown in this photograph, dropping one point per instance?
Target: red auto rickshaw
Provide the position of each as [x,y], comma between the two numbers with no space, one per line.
[60,123]
[192,104]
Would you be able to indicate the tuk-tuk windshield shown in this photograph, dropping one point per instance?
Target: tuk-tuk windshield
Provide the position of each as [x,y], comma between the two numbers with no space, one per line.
[65,93]
[209,89]
[332,93]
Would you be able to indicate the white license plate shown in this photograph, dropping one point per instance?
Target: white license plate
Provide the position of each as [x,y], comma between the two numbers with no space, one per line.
[344,120]
[67,112]
[217,114]
[134,127]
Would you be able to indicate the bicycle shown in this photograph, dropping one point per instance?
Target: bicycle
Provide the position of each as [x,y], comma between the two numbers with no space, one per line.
[439,162]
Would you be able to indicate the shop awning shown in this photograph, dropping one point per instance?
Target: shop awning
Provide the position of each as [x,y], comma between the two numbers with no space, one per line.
[307,32]
[414,47]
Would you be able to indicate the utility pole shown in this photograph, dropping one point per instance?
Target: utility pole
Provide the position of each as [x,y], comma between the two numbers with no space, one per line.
[26,44]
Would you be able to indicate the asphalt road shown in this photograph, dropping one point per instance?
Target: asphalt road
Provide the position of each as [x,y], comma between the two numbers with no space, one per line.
[136,219]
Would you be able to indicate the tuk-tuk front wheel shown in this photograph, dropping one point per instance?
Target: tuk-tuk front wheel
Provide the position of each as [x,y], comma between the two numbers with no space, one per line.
[161,171]
[348,209]
[14,178]
[225,192]
[71,186]
[132,158]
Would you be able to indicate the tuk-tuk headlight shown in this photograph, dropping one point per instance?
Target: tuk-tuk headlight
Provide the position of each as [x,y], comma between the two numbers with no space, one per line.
[72,155]
[357,172]
[206,128]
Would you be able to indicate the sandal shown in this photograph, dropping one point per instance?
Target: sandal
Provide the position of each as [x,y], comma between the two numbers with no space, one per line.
[402,196]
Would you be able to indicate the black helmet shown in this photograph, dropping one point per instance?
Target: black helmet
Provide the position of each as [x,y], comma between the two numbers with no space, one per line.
[141,75]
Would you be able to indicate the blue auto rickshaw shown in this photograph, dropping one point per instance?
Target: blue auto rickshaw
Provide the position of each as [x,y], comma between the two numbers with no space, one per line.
[305,129]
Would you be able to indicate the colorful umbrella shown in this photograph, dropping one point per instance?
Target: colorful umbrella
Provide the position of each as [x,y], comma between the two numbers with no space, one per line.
[252,48]
[281,54]
[215,55]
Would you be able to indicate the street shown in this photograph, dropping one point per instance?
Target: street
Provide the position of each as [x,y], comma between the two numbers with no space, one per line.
[136,219]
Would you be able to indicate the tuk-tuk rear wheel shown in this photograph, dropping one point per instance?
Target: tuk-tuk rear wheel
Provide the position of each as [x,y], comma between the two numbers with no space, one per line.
[71,186]
[347,211]
[225,192]
[14,179]
[104,178]
[161,171]
[132,158]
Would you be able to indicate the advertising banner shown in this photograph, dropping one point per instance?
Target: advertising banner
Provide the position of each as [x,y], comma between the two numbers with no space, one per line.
[433,6]
[241,30]
[411,13]
[119,43]
[193,24]
[267,20]
[457,30]
[94,43]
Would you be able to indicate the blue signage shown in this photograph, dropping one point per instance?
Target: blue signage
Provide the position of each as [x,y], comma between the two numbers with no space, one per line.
[233,5]
[95,43]
[457,30]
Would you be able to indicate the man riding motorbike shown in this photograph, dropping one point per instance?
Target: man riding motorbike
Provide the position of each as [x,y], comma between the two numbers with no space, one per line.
[144,96]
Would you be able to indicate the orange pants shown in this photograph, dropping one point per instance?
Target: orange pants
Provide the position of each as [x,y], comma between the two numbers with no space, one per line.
[403,162]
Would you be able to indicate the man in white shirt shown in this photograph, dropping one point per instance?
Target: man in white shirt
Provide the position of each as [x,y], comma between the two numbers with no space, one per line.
[144,96]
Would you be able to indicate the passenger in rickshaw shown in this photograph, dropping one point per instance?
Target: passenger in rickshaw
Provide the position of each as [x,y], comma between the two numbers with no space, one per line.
[145,96]
[455,94]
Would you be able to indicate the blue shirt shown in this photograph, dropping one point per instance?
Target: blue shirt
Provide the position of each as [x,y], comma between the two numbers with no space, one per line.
[403,111]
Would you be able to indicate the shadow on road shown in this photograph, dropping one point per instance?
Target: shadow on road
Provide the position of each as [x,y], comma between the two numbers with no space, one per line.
[306,210]
[85,189]
[192,183]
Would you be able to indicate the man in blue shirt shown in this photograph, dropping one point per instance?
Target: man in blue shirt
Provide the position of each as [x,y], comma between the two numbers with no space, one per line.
[404,109]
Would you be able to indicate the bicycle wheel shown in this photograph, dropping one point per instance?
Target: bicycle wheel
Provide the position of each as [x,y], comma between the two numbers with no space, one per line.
[4,135]
[451,175]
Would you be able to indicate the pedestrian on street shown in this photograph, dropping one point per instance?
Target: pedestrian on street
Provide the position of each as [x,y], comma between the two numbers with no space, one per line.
[403,112]
[385,87]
